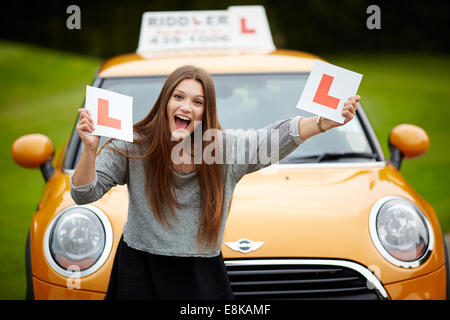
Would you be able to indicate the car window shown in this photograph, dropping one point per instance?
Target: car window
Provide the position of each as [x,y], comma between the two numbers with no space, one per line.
[252,101]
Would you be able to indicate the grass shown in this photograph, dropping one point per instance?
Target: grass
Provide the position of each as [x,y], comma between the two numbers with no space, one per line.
[41,91]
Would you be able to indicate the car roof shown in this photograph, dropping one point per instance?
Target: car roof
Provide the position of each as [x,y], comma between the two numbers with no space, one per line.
[279,60]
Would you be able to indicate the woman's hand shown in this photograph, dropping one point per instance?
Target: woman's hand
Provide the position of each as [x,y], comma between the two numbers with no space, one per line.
[348,111]
[86,124]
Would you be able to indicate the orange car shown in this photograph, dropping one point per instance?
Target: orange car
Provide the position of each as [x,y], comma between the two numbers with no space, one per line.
[332,220]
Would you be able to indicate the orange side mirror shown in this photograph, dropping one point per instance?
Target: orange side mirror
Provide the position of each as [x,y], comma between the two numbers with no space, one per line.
[411,140]
[32,150]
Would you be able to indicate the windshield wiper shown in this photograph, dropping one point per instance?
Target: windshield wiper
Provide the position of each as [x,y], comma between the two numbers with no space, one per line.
[332,156]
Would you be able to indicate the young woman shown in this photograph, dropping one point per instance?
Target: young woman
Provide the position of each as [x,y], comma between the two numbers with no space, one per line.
[170,247]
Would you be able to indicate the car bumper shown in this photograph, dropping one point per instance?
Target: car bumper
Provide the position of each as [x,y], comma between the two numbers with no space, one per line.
[47,291]
[431,286]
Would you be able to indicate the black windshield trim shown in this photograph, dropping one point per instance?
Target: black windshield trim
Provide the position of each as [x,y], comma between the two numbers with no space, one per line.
[327,156]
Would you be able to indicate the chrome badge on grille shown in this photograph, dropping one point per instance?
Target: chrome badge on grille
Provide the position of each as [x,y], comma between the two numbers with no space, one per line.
[245,245]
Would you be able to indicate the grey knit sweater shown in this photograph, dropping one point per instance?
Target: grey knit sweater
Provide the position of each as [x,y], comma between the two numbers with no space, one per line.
[142,230]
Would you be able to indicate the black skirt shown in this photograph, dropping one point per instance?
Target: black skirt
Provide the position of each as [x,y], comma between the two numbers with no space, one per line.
[140,275]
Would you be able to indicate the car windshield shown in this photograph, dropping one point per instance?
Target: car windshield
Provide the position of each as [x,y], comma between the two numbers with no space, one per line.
[252,101]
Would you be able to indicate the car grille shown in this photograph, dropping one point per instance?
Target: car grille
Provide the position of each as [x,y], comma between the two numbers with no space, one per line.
[296,280]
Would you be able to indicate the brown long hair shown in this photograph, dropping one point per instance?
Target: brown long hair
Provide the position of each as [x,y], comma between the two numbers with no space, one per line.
[154,133]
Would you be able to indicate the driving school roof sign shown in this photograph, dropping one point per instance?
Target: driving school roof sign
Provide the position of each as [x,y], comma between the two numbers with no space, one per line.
[239,28]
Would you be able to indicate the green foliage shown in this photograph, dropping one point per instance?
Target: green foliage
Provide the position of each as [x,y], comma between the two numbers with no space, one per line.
[112,27]
[41,92]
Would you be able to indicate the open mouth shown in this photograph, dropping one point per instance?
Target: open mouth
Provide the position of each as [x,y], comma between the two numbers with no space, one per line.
[181,122]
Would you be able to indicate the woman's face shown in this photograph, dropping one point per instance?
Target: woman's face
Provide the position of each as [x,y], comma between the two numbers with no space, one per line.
[185,108]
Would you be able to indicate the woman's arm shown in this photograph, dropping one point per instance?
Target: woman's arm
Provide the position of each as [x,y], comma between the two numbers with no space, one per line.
[307,127]
[246,147]
[85,170]
[95,175]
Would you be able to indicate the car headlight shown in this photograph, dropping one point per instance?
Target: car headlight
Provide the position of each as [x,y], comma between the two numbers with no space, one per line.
[401,232]
[78,239]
